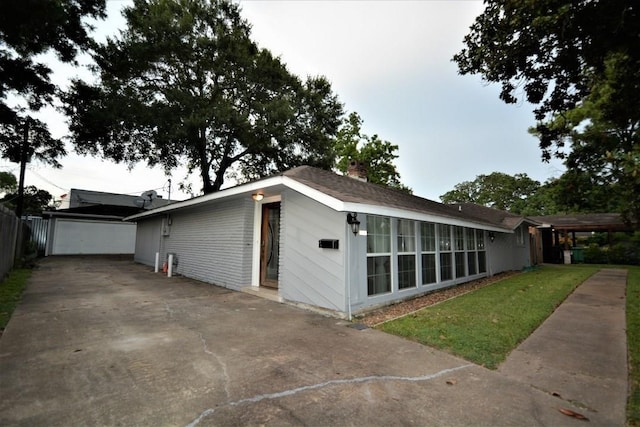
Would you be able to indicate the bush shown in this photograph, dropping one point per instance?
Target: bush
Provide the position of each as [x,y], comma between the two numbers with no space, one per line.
[624,253]
[594,254]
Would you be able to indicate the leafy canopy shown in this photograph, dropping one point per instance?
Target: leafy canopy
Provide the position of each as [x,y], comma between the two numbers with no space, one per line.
[185,84]
[35,200]
[497,190]
[29,28]
[376,154]
[578,62]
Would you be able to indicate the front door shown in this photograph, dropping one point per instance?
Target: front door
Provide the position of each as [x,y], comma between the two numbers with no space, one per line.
[270,245]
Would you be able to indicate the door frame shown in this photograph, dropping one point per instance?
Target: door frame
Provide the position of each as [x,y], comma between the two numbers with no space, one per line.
[257,236]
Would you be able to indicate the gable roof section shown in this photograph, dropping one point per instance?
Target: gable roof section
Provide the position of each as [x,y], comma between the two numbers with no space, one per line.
[345,194]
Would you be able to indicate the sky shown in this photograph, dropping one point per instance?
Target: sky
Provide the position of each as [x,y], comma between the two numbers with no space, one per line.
[389,61]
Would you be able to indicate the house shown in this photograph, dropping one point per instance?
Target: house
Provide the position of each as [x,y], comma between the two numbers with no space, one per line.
[92,223]
[315,238]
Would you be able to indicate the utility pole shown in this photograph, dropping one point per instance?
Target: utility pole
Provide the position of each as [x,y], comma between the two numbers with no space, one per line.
[23,166]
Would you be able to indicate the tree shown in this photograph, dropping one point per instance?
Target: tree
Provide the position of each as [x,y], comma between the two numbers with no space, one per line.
[578,62]
[497,190]
[8,182]
[377,155]
[35,201]
[29,28]
[185,84]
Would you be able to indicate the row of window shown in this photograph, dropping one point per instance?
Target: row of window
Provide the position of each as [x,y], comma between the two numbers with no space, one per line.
[423,253]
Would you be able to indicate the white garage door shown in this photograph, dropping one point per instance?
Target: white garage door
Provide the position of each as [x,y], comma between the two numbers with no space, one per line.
[74,237]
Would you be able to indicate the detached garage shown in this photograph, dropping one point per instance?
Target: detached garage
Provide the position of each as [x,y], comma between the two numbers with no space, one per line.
[86,234]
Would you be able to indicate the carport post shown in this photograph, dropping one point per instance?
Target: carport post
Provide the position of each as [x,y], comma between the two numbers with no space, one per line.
[170,266]
[157,266]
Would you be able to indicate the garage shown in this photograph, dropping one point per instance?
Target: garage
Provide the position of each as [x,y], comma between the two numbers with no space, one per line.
[89,235]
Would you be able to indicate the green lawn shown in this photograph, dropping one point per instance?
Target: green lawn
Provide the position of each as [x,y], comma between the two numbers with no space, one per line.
[10,292]
[485,325]
[633,343]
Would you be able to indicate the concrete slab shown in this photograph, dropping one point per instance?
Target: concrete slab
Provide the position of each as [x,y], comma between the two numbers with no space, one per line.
[580,351]
[107,342]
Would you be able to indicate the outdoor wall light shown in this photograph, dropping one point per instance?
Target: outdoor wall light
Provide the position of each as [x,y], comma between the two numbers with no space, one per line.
[257,196]
[352,220]
[492,236]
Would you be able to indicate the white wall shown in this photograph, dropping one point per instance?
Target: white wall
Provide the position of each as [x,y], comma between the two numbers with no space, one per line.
[91,237]
[309,274]
[212,243]
[148,235]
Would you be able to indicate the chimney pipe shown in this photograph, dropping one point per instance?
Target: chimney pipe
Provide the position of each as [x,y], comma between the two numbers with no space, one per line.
[357,170]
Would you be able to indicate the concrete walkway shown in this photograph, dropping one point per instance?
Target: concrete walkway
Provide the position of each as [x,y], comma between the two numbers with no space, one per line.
[579,353]
[100,342]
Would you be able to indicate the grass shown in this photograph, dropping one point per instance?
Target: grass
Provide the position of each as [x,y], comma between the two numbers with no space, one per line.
[486,325]
[633,345]
[10,292]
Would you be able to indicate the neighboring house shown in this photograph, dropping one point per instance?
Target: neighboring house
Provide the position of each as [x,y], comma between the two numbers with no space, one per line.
[319,239]
[92,224]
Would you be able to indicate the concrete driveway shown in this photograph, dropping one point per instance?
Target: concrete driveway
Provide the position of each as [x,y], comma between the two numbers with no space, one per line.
[104,341]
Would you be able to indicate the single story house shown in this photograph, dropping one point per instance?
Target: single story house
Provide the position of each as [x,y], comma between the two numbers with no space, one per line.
[319,239]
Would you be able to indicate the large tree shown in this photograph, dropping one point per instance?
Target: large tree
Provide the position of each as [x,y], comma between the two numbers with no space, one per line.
[185,84]
[578,62]
[497,190]
[377,155]
[28,29]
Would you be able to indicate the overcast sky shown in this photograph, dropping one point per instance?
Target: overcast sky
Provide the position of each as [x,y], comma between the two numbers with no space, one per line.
[390,61]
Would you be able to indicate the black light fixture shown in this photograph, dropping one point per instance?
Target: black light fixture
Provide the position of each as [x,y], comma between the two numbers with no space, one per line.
[492,236]
[352,220]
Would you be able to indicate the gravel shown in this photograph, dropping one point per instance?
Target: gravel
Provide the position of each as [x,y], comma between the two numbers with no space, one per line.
[403,308]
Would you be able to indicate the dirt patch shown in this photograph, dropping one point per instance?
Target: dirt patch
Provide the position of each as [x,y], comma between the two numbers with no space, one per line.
[400,309]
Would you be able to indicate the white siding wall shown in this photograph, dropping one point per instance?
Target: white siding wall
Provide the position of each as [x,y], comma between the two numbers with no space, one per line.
[213,243]
[505,254]
[148,234]
[309,274]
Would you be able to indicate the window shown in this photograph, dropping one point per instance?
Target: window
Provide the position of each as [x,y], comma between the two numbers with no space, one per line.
[472,255]
[446,257]
[406,239]
[428,240]
[482,255]
[460,258]
[378,255]
[520,236]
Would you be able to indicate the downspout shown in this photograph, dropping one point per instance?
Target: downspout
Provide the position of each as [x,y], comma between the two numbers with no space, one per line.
[348,270]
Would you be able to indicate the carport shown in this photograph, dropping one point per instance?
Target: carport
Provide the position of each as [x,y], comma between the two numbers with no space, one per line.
[556,226]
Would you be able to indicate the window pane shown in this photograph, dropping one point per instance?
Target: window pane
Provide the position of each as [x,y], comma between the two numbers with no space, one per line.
[444,235]
[446,268]
[406,271]
[471,239]
[428,268]
[378,235]
[480,239]
[458,235]
[406,236]
[460,267]
[482,262]
[378,275]
[428,235]
[471,262]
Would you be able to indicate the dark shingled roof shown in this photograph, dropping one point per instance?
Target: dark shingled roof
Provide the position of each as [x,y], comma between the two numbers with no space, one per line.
[350,190]
[585,222]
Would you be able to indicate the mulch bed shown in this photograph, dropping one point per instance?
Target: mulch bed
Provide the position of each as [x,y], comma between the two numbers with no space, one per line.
[403,308]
